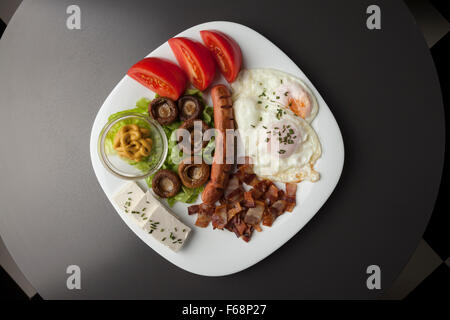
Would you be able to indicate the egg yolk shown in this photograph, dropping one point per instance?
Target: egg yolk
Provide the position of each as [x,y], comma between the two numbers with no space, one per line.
[282,139]
[295,98]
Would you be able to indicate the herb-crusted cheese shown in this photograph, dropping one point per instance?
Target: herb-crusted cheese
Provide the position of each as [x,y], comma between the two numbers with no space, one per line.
[128,197]
[151,216]
[143,209]
[166,228]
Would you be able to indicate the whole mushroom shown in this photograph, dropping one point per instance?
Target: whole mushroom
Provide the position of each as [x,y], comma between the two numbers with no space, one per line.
[166,183]
[163,110]
[193,172]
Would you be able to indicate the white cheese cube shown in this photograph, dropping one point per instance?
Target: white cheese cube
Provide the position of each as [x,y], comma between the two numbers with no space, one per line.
[128,197]
[143,209]
[166,228]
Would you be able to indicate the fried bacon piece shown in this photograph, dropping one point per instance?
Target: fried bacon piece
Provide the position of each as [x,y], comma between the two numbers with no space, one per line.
[237,225]
[220,217]
[204,215]
[271,195]
[268,218]
[256,194]
[262,185]
[291,192]
[202,220]
[206,208]
[254,215]
[248,201]
[278,207]
[193,209]
[245,174]
[250,179]
[236,208]
[233,184]
[234,191]
[236,195]
[247,234]
[281,194]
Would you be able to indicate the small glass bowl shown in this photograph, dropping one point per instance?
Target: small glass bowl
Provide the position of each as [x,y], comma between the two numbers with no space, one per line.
[122,167]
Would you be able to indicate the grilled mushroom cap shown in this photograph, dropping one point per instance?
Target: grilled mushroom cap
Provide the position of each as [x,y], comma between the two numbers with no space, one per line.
[163,110]
[190,107]
[193,172]
[195,141]
[166,183]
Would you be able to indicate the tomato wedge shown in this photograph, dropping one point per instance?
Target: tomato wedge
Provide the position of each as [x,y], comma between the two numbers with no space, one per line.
[225,51]
[195,60]
[161,76]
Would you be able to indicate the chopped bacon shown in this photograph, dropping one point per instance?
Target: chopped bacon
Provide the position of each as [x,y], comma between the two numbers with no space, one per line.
[291,189]
[236,195]
[229,226]
[248,202]
[202,220]
[291,192]
[254,215]
[220,218]
[246,168]
[277,208]
[245,173]
[204,215]
[290,206]
[193,209]
[262,185]
[250,178]
[247,233]
[233,184]
[243,211]
[237,225]
[235,210]
[256,194]
[271,195]
[240,227]
[268,218]
[207,209]
[254,181]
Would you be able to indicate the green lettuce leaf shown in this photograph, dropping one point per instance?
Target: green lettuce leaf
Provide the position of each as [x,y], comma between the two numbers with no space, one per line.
[194,92]
[207,116]
[186,195]
[141,107]
[208,151]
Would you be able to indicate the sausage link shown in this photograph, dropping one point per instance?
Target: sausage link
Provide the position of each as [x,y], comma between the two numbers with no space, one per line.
[223,120]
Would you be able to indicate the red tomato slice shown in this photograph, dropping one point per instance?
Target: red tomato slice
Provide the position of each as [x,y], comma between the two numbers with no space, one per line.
[195,60]
[161,76]
[226,52]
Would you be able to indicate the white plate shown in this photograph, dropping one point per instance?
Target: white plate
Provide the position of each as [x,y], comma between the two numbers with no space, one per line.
[212,252]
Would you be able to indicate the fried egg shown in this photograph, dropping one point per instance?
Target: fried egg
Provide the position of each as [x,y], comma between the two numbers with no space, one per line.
[280,141]
[273,87]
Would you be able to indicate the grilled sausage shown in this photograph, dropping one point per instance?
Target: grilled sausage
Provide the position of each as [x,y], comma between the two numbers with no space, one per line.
[223,120]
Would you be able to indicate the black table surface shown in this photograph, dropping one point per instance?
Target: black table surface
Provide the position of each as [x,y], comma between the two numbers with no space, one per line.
[381,86]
